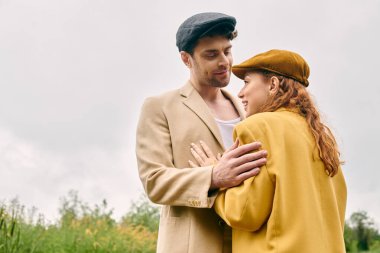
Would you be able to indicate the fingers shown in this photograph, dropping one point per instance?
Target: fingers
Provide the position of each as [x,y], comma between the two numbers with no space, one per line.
[197,157]
[243,176]
[192,164]
[250,166]
[250,157]
[199,151]
[218,156]
[246,148]
[207,150]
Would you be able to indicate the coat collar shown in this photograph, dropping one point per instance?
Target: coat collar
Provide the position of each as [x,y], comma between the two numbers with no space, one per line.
[195,102]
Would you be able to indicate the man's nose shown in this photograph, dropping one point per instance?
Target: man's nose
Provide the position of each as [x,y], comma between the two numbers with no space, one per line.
[224,61]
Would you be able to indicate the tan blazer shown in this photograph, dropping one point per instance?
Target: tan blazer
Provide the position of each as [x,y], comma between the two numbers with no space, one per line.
[292,205]
[167,125]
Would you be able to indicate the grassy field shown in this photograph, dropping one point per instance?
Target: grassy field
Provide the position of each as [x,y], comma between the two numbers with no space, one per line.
[85,229]
[80,229]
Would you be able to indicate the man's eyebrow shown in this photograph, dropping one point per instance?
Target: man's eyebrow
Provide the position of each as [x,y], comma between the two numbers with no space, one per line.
[216,50]
[210,51]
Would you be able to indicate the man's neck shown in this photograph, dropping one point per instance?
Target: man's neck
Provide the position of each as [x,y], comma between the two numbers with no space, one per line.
[220,106]
[209,93]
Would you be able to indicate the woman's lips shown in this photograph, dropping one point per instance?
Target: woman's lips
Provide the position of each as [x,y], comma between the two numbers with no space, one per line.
[245,104]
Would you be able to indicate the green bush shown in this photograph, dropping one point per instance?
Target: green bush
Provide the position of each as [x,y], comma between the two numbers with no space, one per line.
[361,234]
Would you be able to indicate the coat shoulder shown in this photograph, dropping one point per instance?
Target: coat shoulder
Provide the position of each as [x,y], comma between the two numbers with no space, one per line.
[270,119]
[162,99]
[260,120]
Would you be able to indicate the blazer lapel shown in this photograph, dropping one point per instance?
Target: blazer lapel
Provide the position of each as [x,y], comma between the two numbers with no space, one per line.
[195,102]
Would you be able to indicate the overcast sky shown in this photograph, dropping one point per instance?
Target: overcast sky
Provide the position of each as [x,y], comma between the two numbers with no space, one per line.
[74,74]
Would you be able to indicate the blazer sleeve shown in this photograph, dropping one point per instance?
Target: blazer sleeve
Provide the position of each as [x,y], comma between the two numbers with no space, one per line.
[247,206]
[163,183]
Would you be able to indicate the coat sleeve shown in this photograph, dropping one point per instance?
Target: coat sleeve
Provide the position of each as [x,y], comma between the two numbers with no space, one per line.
[163,183]
[247,206]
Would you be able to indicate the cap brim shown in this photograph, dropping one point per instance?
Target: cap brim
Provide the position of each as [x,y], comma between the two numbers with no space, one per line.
[229,24]
[240,72]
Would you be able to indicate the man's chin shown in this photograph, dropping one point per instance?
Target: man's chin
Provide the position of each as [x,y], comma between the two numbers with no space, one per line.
[220,84]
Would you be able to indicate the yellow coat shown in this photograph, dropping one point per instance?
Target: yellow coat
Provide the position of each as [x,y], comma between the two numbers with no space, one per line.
[292,206]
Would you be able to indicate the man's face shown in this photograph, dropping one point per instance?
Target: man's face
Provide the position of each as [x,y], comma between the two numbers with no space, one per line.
[212,61]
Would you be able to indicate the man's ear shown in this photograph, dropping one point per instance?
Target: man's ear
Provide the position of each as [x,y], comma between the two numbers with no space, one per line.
[274,85]
[186,59]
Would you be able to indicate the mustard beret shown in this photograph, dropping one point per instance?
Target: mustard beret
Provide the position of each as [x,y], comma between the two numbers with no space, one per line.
[281,62]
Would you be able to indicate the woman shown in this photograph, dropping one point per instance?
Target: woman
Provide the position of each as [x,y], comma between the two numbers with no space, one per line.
[297,202]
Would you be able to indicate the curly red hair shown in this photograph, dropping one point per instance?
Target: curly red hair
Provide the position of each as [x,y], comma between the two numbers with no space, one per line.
[293,95]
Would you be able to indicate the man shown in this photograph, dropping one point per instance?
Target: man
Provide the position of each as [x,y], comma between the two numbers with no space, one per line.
[170,123]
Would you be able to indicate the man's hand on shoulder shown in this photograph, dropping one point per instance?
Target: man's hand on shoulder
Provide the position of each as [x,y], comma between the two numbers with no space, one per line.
[237,164]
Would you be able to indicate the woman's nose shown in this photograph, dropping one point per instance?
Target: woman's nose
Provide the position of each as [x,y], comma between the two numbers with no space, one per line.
[240,94]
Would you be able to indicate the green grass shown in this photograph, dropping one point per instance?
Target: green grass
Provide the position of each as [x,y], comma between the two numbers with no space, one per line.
[80,229]
[84,229]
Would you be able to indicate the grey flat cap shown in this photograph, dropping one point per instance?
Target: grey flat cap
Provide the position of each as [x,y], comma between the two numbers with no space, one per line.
[199,25]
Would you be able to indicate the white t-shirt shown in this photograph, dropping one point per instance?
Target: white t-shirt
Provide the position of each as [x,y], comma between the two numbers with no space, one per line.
[226,128]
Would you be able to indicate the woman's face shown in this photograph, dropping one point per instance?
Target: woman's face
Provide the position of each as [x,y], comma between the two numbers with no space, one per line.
[255,92]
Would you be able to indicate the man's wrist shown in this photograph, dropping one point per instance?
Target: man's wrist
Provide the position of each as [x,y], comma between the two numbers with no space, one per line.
[214,184]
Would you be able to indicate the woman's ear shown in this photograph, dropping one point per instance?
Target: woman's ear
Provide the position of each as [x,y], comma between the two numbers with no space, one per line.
[274,85]
[186,58]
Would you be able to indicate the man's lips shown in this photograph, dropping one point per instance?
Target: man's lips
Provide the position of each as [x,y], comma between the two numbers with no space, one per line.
[220,72]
